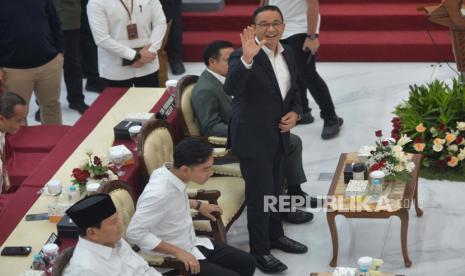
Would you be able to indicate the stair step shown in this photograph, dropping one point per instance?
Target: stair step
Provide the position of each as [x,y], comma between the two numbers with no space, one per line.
[202,5]
[351,46]
[364,17]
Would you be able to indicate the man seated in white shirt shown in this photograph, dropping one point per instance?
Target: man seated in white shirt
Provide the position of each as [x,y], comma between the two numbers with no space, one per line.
[162,222]
[13,112]
[101,250]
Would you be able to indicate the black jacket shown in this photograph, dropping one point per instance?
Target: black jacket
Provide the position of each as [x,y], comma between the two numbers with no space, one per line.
[258,105]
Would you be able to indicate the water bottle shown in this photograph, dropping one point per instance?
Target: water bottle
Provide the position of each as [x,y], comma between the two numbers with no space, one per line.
[50,255]
[171,86]
[73,195]
[364,264]
[38,263]
[377,182]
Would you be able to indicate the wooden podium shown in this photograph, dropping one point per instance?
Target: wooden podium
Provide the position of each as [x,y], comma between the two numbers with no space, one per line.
[449,14]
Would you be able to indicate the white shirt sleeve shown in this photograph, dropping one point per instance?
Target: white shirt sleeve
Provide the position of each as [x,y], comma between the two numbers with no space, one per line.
[247,66]
[101,31]
[159,27]
[149,212]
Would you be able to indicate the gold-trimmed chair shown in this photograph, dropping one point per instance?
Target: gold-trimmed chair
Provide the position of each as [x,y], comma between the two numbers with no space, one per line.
[156,148]
[225,164]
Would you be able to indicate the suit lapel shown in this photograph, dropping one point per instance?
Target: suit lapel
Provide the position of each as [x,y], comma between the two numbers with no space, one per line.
[219,87]
[264,61]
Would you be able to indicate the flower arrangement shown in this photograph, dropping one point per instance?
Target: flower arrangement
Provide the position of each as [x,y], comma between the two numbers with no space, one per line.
[92,168]
[388,156]
[434,117]
[441,146]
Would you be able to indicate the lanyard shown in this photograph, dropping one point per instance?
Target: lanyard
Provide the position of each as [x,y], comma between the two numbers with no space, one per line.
[126,8]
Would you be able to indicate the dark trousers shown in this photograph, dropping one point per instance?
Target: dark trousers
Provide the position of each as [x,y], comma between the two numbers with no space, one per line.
[174,47]
[225,260]
[263,177]
[308,78]
[72,66]
[88,48]
[150,80]
[295,174]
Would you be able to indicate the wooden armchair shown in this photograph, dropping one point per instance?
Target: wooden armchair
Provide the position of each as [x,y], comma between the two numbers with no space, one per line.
[225,164]
[156,148]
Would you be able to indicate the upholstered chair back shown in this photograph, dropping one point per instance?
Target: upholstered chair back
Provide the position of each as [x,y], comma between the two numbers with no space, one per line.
[157,145]
[184,106]
[121,195]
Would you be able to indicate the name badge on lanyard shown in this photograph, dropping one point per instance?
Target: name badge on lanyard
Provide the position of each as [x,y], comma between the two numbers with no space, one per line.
[131,27]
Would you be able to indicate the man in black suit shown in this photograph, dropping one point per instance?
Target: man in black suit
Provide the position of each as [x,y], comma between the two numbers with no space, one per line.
[262,79]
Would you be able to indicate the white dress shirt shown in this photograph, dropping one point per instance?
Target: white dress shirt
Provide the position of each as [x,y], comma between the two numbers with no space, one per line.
[163,214]
[92,259]
[281,71]
[108,21]
[295,16]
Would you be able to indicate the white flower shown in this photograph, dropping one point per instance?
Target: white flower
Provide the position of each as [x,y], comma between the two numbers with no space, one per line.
[453,148]
[410,166]
[397,148]
[461,126]
[398,168]
[461,155]
[438,148]
[403,140]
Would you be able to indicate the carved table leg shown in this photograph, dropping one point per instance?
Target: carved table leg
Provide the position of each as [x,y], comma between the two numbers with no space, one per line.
[331,217]
[415,198]
[403,215]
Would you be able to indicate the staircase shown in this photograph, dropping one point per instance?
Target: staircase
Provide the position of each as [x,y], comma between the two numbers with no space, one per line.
[351,30]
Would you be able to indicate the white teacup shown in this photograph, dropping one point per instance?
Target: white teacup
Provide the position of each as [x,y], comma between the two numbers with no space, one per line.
[54,187]
[92,188]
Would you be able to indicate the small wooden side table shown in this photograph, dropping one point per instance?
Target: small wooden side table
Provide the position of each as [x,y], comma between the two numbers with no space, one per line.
[402,194]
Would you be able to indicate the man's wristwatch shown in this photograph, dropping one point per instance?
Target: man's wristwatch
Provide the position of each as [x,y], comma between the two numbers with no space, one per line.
[199,203]
[136,57]
[313,36]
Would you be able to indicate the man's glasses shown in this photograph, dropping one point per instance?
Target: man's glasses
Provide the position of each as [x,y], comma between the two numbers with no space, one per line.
[265,25]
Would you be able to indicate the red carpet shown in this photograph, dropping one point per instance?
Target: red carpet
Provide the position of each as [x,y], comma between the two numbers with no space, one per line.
[351,30]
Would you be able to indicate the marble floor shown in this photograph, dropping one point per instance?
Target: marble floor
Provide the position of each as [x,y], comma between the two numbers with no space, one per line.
[364,95]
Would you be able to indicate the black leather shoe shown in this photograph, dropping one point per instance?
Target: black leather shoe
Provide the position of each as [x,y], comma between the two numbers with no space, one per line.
[37,116]
[306,119]
[79,107]
[289,245]
[298,217]
[177,68]
[331,127]
[96,86]
[269,264]
[297,191]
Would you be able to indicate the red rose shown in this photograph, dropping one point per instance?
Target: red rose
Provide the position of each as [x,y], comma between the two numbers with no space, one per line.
[97,161]
[442,127]
[379,133]
[382,163]
[374,167]
[395,136]
[459,139]
[448,158]
[80,175]
[395,120]
[385,143]
[418,140]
